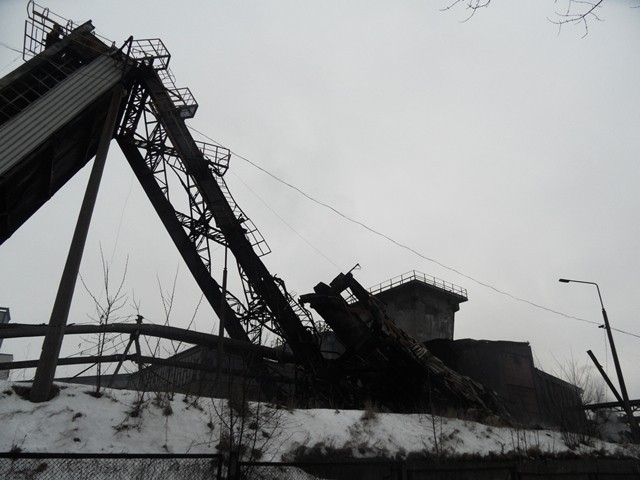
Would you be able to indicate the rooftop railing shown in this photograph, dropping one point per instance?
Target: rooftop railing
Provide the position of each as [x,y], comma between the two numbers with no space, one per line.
[421,277]
[43,24]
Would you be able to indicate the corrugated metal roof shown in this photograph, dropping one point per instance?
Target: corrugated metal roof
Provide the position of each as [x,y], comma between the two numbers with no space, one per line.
[29,129]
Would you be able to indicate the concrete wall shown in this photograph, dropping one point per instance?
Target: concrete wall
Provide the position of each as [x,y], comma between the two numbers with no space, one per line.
[505,367]
[423,311]
[560,402]
[532,396]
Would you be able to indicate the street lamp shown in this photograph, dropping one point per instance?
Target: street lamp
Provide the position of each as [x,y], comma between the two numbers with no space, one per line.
[635,430]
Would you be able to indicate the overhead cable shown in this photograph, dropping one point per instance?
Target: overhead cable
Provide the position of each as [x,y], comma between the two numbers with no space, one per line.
[406,247]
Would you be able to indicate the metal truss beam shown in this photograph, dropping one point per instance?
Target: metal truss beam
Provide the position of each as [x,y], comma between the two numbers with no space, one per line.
[210,288]
[169,146]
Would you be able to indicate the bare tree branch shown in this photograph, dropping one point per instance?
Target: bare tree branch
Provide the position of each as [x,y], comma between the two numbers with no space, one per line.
[106,310]
[576,12]
[471,5]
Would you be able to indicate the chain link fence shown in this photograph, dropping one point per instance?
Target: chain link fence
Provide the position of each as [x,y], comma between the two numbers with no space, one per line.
[40,466]
[36,466]
[533,469]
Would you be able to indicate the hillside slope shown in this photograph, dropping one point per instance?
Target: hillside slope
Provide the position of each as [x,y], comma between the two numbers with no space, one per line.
[127,421]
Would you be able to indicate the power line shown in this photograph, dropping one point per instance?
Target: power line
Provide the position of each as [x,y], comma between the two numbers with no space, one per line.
[408,248]
[124,207]
[625,332]
[10,47]
[10,63]
[305,240]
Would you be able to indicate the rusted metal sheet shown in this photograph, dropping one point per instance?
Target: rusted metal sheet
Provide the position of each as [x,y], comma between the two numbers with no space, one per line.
[48,114]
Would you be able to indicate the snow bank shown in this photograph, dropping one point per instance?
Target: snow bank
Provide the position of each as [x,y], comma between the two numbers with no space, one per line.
[125,421]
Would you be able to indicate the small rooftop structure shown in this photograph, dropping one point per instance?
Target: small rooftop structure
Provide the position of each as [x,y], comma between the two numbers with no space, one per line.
[421,305]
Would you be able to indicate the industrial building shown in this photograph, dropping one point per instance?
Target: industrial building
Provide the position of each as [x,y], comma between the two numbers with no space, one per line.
[420,304]
[75,93]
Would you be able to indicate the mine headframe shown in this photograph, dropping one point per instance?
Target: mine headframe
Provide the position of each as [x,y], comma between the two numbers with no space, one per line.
[184,181]
[387,365]
[51,113]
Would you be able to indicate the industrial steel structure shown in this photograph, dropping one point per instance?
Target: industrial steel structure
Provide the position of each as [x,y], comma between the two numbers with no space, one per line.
[53,111]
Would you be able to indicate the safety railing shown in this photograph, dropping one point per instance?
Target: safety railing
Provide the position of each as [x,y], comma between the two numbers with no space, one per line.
[217,156]
[44,27]
[421,277]
[151,51]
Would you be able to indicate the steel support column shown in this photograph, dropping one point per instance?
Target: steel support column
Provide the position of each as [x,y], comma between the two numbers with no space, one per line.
[45,372]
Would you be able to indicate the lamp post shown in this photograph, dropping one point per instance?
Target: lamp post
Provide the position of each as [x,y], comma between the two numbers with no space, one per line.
[635,430]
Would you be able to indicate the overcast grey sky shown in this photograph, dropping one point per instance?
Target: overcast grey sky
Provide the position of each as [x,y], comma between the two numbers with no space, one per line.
[496,147]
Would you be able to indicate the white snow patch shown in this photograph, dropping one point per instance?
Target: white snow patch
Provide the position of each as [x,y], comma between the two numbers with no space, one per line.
[75,421]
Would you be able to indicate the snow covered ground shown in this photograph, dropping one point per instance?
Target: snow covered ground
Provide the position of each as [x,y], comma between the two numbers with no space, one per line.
[122,421]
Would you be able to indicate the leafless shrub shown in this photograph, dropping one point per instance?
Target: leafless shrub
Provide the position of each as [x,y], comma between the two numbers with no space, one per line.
[576,426]
[521,444]
[106,310]
[370,411]
[246,428]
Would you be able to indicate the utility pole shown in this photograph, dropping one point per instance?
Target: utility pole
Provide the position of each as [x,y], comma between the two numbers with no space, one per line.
[633,424]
